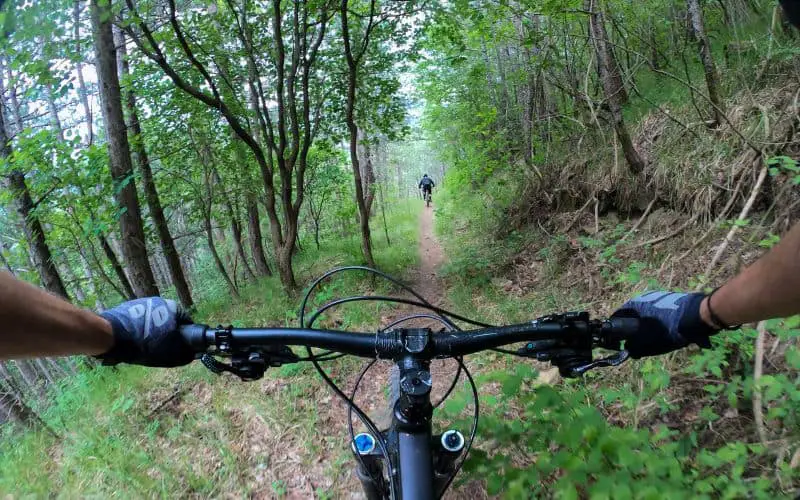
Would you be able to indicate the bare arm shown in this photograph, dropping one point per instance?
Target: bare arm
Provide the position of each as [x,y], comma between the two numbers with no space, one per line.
[770,288]
[35,323]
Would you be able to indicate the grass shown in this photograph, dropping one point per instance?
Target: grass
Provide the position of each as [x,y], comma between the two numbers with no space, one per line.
[218,436]
[680,413]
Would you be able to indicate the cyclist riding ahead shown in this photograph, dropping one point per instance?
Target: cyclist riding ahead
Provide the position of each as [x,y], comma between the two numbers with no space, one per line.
[426,184]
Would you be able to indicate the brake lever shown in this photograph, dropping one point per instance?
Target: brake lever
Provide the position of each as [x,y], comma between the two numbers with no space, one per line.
[613,360]
[571,362]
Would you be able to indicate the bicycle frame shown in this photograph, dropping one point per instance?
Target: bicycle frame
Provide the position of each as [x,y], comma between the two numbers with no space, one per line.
[420,465]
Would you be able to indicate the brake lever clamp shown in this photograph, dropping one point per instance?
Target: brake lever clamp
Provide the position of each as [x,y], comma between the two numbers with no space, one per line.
[251,365]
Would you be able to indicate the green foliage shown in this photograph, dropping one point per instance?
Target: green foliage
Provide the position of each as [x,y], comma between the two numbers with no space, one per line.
[116,439]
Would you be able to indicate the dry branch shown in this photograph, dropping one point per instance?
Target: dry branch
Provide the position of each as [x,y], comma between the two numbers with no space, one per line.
[667,236]
[641,219]
[176,394]
[758,369]
[742,215]
[578,214]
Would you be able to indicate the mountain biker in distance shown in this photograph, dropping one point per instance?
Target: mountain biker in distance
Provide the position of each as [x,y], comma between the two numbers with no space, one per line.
[145,331]
[426,184]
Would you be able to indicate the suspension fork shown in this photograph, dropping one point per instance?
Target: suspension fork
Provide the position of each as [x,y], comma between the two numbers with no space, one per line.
[370,469]
[412,423]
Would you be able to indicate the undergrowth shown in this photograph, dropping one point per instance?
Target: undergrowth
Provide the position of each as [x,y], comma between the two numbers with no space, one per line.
[138,432]
[677,426]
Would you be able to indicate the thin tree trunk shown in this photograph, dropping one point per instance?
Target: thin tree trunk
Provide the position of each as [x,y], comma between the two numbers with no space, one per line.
[34,233]
[134,248]
[12,96]
[367,170]
[45,370]
[55,121]
[117,266]
[383,213]
[82,90]
[90,279]
[4,260]
[236,228]
[607,67]
[142,160]
[80,295]
[213,249]
[352,85]
[254,233]
[709,68]
[608,71]
[18,410]
[32,227]
[28,373]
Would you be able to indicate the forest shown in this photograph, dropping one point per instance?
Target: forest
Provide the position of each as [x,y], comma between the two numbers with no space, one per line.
[225,153]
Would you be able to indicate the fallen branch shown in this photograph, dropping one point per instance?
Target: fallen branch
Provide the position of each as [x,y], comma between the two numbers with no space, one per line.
[178,392]
[578,215]
[758,369]
[735,228]
[640,221]
[667,236]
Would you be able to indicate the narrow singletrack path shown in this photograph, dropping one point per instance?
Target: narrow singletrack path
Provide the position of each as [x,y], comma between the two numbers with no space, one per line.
[305,473]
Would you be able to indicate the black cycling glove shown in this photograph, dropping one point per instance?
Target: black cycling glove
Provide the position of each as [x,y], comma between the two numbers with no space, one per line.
[146,333]
[669,321]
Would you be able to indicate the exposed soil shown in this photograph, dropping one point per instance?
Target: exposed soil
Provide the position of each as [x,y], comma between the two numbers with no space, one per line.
[304,473]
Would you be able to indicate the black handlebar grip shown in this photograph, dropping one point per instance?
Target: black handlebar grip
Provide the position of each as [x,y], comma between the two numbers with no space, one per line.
[621,328]
[195,336]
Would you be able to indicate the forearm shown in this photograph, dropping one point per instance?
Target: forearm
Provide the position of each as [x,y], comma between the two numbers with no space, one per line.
[770,288]
[36,323]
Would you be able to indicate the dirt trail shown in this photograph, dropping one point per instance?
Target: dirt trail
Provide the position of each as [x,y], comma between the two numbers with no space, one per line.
[431,257]
[301,471]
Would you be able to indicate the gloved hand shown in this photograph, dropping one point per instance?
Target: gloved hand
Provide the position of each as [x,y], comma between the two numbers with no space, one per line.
[146,333]
[669,321]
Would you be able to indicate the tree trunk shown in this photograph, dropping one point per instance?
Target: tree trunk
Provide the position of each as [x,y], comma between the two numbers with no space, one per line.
[134,248]
[608,72]
[55,121]
[352,85]
[236,228]
[607,66]
[254,232]
[46,370]
[12,95]
[90,279]
[118,269]
[32,227]
[367,170]
[213,249]
[18,410]
[80,295]
[4,260]
[283,260]
[28,373]
[709,68]
[82,91]
[149,186]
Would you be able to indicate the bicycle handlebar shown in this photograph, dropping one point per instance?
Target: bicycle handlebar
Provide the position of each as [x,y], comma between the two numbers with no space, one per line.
[571,329]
